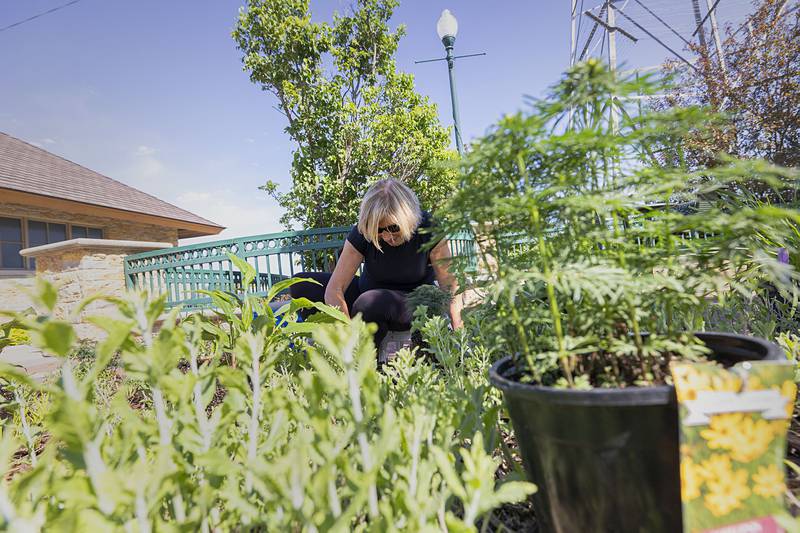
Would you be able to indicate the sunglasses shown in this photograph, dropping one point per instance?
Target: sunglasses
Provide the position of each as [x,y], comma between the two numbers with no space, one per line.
[391,228]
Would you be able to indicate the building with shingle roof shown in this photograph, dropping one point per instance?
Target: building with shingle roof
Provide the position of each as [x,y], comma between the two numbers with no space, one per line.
[45,198]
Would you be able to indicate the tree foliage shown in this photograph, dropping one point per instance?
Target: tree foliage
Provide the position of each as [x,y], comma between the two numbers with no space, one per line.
[353,117]
[757,90]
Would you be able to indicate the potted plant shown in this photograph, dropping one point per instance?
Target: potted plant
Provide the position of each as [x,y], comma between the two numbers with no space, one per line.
[600,263]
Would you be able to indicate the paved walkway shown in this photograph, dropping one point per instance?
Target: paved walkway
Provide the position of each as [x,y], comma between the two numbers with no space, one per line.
[34,361]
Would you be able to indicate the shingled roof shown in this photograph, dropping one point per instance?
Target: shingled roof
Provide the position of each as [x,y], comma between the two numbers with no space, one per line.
[29,169]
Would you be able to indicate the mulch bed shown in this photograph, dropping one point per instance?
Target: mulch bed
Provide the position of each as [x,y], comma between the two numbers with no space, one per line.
[513,517]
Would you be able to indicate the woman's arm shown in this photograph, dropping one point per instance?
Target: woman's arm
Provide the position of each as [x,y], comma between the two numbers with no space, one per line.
[440,259]
[342,275]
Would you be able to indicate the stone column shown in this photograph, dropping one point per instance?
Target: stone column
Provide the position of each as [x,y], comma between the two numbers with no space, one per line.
[85,267]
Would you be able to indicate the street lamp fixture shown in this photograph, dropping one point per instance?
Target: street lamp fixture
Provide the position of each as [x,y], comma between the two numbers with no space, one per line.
[447,28]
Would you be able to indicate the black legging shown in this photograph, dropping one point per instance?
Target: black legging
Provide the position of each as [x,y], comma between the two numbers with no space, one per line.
[385,307]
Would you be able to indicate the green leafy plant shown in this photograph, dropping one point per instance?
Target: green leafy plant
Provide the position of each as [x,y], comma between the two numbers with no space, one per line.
[11,335]
[790,343]
[600,255]
[306,437]
[18,337]
[432,298]
[426,301]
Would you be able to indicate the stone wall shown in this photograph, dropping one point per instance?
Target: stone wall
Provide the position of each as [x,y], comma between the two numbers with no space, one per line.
[86,267]
[14,295]
[112,228]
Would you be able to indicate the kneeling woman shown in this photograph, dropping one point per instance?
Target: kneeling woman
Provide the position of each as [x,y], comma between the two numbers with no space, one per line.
[389,240]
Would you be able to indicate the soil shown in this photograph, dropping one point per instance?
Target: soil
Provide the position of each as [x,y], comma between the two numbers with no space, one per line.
[511,517]
[219,396]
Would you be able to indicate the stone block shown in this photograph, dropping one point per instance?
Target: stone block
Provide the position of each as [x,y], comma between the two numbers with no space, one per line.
[14,293]
[81,268]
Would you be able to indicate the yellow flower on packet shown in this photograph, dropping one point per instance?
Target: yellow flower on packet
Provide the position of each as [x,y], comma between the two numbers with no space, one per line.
[733,424]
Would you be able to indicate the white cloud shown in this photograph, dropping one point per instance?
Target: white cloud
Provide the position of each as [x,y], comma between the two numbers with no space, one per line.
[48,141]
[242,215]
[145,151]
[147,166]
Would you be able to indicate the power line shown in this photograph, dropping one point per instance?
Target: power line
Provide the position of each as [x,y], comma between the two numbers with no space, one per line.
[34,17]
[656,39]
[662,21]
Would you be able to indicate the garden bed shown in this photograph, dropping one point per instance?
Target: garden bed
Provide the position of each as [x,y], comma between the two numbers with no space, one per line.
[509,517]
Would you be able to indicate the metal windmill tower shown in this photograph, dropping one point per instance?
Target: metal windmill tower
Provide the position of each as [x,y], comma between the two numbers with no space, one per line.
[642,34]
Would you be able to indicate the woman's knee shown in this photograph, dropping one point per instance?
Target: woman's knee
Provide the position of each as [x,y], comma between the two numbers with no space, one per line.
[369,305]
[380,305]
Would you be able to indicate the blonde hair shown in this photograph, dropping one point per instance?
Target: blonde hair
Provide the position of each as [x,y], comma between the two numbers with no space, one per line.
[392,201]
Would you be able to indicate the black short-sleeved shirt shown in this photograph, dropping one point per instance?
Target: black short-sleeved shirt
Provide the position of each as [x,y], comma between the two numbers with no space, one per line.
[404,267]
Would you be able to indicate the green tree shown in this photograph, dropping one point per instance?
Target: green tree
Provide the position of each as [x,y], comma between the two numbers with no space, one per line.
[352,115]
[757,91]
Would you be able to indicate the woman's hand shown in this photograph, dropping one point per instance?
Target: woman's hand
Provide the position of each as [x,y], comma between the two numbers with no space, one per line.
[440,259]
[343,273]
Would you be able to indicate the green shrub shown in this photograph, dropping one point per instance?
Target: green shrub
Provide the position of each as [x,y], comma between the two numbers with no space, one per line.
[790,343]
[307,435]
[19,337]
[435,301]
[12,335]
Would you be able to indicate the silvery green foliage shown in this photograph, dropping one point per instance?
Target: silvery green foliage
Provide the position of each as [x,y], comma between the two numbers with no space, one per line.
[307,437]
[790,343]
[601,248]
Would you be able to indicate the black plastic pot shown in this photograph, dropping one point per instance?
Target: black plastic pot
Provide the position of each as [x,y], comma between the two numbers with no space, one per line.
[606,460]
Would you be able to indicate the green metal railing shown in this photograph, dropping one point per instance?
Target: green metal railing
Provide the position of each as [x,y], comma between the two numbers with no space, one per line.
[181,273]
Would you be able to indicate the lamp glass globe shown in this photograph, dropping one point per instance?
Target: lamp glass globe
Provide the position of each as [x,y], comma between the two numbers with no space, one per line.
[447,25]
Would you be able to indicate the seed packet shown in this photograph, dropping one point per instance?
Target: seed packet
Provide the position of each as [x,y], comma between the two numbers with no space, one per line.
[733,427]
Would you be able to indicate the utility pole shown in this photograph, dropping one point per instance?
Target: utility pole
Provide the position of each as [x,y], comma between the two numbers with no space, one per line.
[611,20]
[715,34]
[573,44]
[700,31]
[448,46]
[612,58]
[573,41]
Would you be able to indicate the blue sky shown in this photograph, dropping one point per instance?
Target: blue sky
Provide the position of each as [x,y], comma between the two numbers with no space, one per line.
[152,92]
